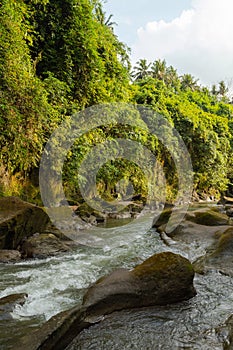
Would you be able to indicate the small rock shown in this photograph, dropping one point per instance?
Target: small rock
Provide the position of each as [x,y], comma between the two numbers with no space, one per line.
[9,255]
[229,212]
[8,303]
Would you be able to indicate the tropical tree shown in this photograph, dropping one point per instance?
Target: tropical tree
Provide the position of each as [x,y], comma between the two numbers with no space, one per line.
[158,69]
[172,78]
[26,117]
[214,90]
[101,16]
[75,45]
[223,89]
[189,82]
[141,70]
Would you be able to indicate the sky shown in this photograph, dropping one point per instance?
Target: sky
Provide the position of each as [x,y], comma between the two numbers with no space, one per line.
[194,36]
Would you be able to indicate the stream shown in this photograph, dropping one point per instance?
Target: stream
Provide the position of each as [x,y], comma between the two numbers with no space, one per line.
[59,283]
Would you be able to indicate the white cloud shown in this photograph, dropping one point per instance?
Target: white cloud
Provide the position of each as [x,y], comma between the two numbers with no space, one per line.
[199,41]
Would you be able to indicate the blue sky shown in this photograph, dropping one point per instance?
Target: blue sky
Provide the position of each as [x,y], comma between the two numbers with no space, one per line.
[133,14]
[195,36]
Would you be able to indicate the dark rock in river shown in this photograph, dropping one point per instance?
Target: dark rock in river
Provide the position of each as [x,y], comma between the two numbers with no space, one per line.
[42,246]
[162,279]
[229,212]
[90,215]
[8,303]
[18,220]
[9,255]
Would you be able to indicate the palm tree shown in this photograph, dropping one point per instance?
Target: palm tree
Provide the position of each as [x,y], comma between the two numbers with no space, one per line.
[223,89]
[141,70]
[101,16]
[214,90]
[172,78]
[158,69]
[189,82]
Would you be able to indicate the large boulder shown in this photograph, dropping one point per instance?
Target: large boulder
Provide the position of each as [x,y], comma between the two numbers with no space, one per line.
[164,278]
[219,257]
[43,245]
[57,332]
[202,216]
[198,224]
[18,220]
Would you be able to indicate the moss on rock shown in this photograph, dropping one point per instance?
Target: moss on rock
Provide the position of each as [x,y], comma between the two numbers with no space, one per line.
[162,279]
[18,220]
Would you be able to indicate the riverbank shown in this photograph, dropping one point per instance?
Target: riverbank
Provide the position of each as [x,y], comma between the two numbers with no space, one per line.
[58,283]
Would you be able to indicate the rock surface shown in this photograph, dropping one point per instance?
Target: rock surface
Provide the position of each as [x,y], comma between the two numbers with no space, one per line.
[220,255]
[18,220]
[201,224]
[8,303]
[225,332]
[42,246]
[162,279]
[9,255]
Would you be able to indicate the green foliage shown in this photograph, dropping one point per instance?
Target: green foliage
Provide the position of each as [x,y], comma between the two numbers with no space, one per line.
[203,122]
[73,44]
[58,57]
[25,114]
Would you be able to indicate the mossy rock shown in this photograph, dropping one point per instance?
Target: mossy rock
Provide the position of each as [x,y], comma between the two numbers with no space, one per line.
[43,245]
[89,214]
[199,224]
[161,279]
[225,243]
[19,220]
[209,218]
[219,257]
[161,221]
[164,278]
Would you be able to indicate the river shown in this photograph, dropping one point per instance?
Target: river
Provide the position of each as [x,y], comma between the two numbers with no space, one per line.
[58,283]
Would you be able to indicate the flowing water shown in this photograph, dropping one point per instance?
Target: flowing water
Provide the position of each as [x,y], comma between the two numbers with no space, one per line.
[58,283]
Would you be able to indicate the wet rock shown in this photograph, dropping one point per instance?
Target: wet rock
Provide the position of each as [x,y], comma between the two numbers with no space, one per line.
[201,216]
[8,303]
[201,224]
[43,245]
[122,210]
[208,217]
[90,215]
[219,257]
[9,256]
[19,219]
[225,333]
[229,212]
[56,333]
[164,278]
